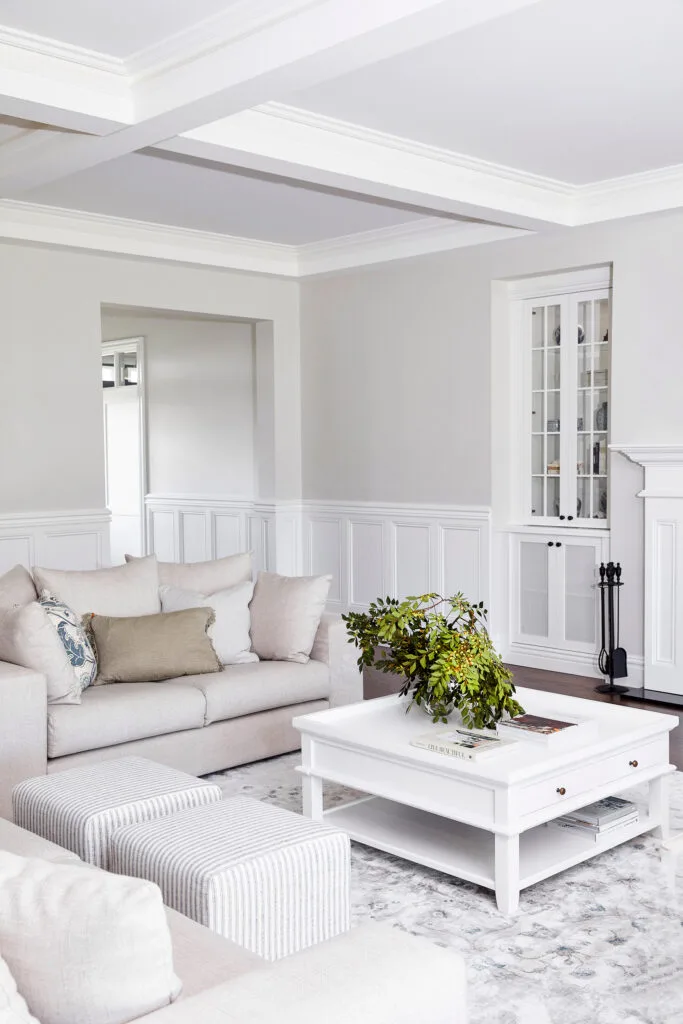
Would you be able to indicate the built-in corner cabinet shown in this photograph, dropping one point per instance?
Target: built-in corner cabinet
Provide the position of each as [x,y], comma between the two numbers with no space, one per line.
[559,530]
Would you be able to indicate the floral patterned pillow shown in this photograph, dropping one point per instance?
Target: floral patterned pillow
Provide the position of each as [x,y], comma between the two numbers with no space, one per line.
[74,638]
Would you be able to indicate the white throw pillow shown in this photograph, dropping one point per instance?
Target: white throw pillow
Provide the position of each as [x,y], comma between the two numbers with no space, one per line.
[84,945]
[203,577]
[28,638]
[230,631]
[16,586]
[285,615]
[13,1008]
[125,590]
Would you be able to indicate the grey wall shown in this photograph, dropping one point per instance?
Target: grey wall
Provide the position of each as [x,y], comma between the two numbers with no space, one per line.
[200,402]
[396,360]
[51,456]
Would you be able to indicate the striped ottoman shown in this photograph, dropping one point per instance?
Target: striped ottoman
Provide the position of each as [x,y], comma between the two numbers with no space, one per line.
[272,881]
[80,808]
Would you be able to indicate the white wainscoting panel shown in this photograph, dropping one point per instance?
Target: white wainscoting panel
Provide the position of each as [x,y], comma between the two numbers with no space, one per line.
[77,539]
[196,528]
[374,550]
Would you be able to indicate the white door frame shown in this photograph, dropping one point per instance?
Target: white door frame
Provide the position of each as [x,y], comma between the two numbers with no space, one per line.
[137,345]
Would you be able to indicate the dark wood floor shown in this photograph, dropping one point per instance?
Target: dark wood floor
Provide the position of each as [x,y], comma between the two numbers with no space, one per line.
[377,684]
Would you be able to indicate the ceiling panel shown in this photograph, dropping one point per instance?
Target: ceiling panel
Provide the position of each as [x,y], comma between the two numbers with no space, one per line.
[116,28]
[578,90]
[189,195]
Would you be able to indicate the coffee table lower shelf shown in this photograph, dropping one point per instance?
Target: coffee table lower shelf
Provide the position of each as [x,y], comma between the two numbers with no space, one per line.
[465,851]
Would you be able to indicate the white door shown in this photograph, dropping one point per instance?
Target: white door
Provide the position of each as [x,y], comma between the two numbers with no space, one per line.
[124,451]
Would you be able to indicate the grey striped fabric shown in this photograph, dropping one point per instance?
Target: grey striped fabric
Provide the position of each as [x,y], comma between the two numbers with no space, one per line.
[81,807]
[272,881]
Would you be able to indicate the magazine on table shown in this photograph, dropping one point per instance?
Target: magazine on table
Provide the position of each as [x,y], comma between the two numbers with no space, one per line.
[462,743]
[547,731]
[603,812]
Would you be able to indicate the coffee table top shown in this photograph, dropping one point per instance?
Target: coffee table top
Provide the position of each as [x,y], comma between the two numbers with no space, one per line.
[382,727]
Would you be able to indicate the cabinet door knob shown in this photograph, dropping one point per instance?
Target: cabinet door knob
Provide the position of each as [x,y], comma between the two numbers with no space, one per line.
[563,517]
[561,790]
[570,517]
[550,543]
[634,764]
[558,544]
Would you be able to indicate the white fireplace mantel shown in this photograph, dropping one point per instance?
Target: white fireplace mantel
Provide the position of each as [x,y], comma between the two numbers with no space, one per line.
[663,464]
[663,598]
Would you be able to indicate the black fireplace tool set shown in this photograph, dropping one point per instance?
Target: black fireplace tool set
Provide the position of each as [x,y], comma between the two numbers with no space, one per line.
[612,658]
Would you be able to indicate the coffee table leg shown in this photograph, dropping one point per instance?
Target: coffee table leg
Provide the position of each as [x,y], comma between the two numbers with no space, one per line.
[658,805]
[313,797]
[507,874]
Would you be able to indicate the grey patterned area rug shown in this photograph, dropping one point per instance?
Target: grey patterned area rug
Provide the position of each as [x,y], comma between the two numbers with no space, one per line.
[601,943]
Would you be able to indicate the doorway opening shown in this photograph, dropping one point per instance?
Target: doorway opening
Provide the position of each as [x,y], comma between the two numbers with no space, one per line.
[125,444]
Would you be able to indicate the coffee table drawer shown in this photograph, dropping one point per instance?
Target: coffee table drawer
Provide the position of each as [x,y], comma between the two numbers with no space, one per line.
[567,785]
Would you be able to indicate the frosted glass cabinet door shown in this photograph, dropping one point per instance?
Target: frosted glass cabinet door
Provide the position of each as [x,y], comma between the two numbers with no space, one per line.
[533,588]
[580,593]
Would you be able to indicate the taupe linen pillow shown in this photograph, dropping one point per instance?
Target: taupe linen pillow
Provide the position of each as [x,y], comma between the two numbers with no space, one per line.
[148,648]
[203,577]
[285,615]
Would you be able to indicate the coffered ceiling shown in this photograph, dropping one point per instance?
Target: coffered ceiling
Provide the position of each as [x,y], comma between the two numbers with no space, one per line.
[298,136]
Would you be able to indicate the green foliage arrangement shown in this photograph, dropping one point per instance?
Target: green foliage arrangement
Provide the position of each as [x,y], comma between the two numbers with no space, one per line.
[442,648]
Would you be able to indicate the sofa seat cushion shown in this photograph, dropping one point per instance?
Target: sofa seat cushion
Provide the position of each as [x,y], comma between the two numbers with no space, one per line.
[259,686]
[120,712]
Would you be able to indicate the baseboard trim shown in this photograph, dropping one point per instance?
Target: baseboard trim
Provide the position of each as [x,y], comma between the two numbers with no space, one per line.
[575,663]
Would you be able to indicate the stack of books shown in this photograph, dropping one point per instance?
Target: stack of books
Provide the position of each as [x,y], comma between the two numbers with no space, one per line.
[601,818]
[549,732]
[461,743]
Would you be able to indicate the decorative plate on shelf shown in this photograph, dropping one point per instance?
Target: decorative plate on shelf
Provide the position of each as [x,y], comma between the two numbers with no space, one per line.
[557,335]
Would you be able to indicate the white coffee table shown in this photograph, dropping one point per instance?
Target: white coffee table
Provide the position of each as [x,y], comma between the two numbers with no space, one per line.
[484,821]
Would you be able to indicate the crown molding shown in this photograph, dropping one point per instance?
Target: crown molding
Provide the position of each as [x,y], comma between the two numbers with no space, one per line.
[631,195]
[401,241]
[53,48]
[311,119]
[73,229]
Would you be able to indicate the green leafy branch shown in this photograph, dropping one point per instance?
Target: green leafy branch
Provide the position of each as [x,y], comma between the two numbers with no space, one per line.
[442,649]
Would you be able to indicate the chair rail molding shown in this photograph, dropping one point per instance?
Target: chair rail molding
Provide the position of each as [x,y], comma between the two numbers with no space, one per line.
[663,597]
[70,539]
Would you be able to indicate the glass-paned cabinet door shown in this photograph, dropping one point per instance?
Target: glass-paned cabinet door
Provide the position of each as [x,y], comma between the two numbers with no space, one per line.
[592,408]
[567,408]
[546,378]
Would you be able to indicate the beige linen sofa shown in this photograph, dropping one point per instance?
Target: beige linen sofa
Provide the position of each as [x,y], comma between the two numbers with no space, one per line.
[370,975]
[199,724]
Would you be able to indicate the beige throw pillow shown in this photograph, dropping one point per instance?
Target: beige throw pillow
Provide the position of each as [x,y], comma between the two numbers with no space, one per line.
[121,590]
[203,577]
[285,615]
[152,647]
[84,945]
[16,586]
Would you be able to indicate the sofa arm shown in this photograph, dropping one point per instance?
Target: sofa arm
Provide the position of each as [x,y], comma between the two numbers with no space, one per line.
[23,729]
[331,646]
[370,975]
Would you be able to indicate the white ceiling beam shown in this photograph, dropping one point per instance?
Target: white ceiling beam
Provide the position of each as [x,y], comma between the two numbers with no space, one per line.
[301,146]
[311,43]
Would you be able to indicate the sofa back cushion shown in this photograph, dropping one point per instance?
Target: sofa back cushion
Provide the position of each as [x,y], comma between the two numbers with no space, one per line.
[122,590]
[17,587]
[84,945]
[285,615]
[151,647]
[203,577]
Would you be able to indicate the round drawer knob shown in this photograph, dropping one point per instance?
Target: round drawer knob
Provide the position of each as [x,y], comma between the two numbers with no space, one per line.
[561,790]
[634,764]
